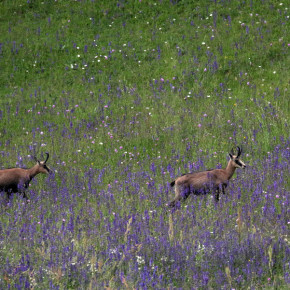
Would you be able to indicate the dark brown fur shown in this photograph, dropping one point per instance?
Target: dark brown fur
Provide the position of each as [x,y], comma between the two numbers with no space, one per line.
[215,180]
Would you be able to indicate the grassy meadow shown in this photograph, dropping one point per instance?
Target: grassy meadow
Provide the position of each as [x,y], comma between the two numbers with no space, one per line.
[126,96]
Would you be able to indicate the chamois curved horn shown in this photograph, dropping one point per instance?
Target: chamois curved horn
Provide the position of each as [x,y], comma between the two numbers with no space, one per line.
[239,151]
[47,156]
[232,151]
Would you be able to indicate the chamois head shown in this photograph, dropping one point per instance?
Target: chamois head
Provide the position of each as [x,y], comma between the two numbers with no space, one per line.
[235,159]
[42,167]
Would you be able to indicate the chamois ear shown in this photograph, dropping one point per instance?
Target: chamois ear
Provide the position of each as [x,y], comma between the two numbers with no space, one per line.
[231,156]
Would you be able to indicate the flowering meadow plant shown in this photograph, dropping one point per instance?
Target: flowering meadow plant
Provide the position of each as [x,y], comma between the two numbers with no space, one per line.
[126,96]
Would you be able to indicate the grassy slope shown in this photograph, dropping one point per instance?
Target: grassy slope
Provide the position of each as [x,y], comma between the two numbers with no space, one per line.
[144,45]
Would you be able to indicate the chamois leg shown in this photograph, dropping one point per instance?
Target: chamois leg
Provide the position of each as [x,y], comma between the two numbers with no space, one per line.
[224,186]
[23,191]
[8,195]
[173,202]
[217,195]
[218,190]
[179,196]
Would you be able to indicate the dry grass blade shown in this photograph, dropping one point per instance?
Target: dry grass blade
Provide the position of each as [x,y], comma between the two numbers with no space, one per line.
[129,227]
[171,229]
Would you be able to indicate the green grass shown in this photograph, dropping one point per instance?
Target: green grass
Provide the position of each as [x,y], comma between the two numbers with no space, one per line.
[42,47]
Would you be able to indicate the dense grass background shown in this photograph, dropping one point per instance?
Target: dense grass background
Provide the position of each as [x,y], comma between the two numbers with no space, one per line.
[125,96]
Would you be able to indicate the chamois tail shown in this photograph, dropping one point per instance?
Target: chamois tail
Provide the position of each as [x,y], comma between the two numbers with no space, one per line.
[172,183]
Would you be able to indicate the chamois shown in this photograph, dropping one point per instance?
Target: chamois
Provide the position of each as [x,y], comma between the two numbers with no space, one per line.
[18,179]
[215,180]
